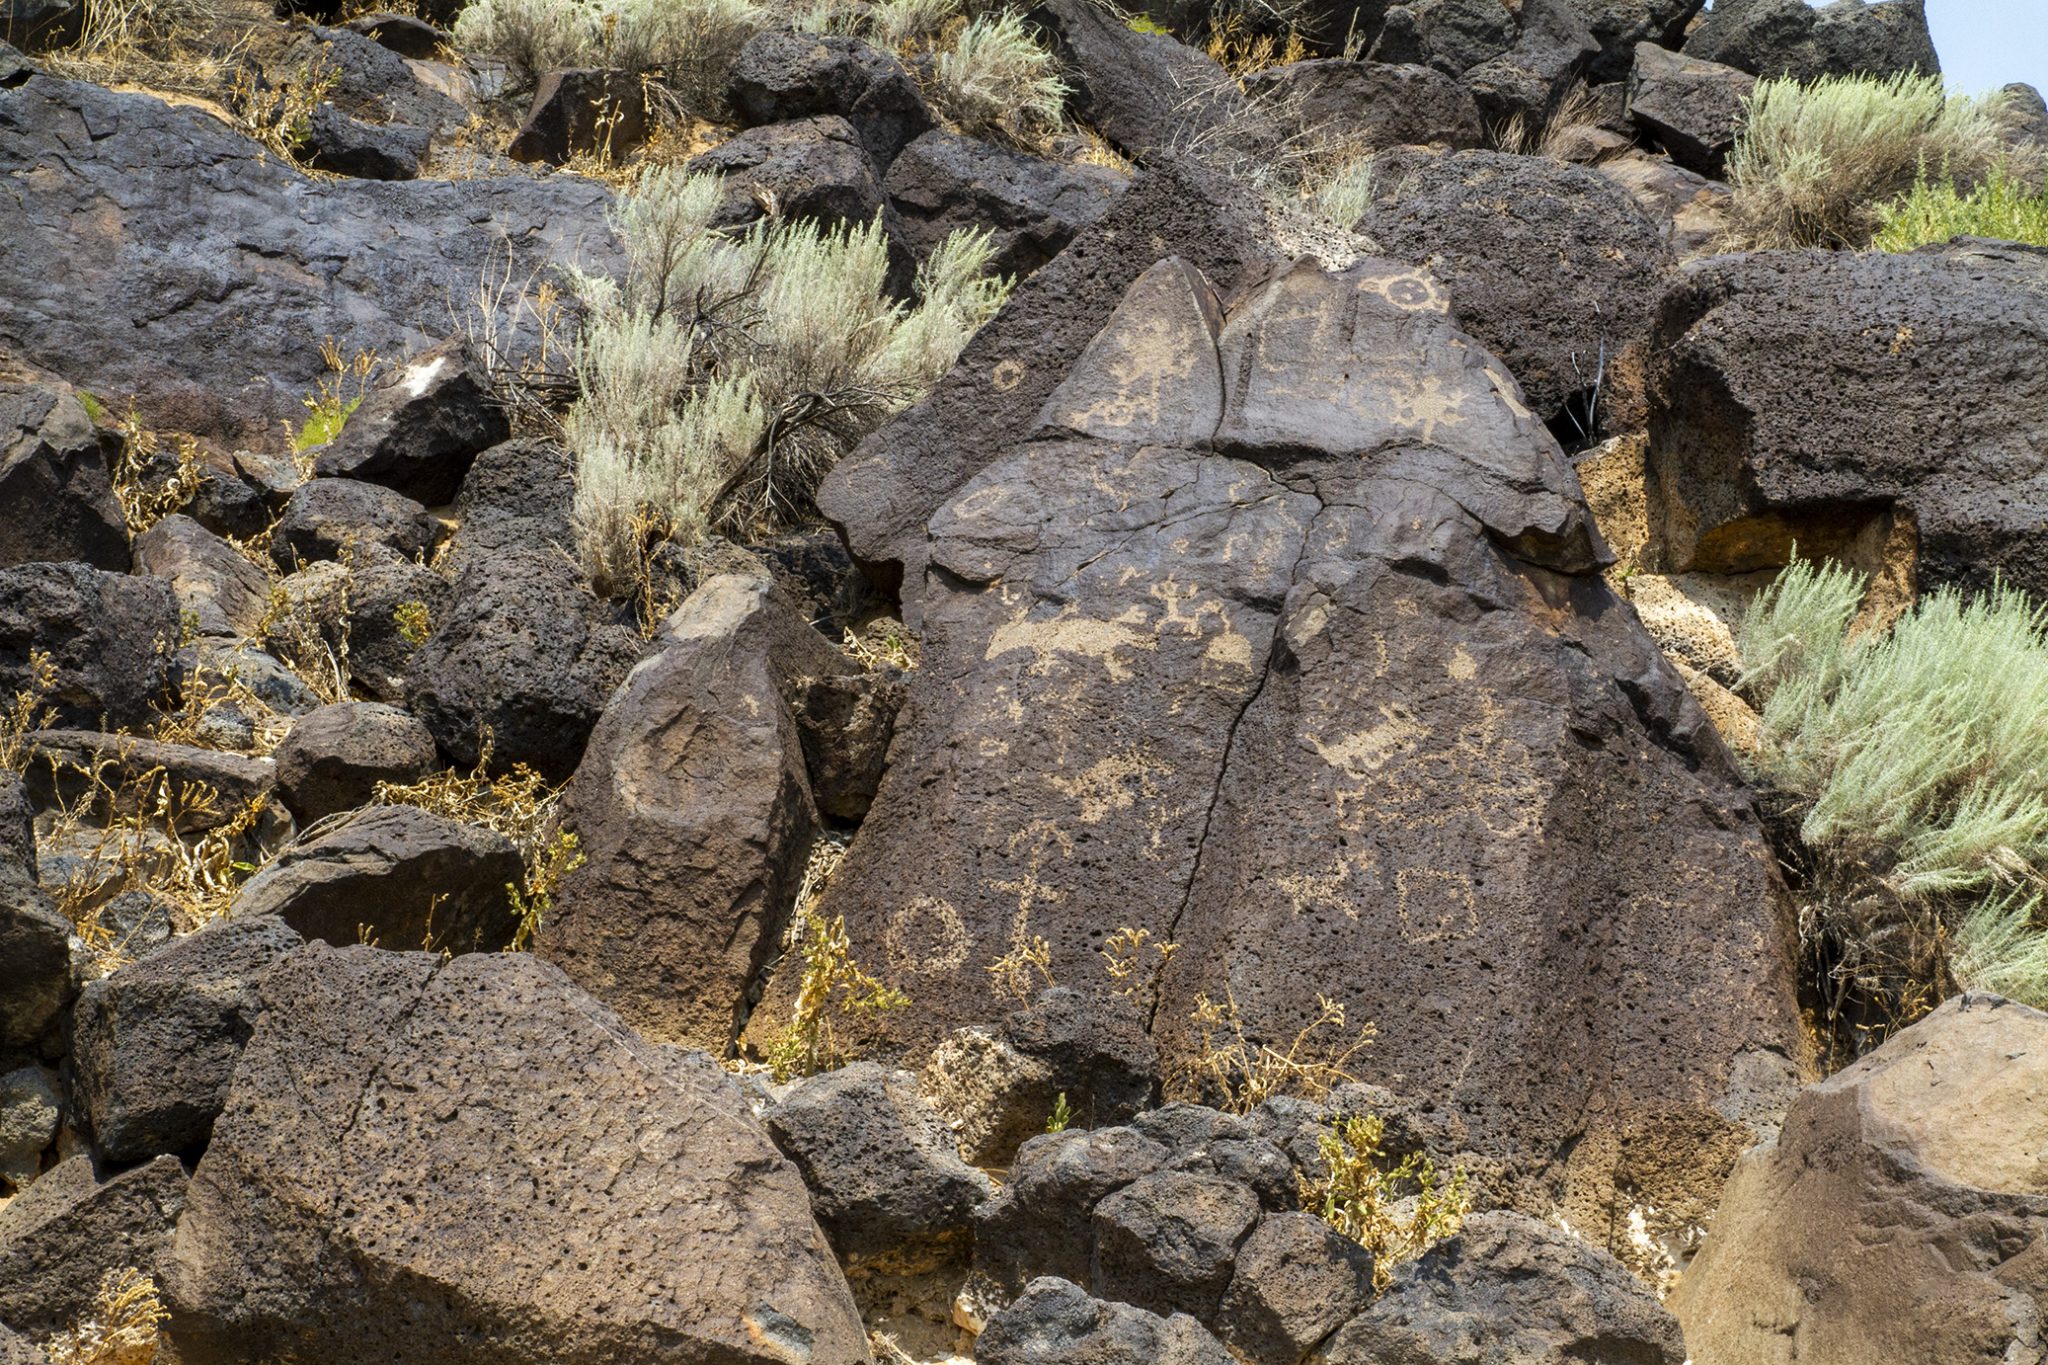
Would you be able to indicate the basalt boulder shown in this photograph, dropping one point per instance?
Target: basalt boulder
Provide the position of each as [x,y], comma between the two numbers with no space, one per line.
[1804,397]
[155,1043]
[1280,636]
[1621,27]
[1516,59]
[420,428]
[72,1227]
[220,590]
[166,256]
[1552,267]
[1773,38]
[782,76]
[472,1160]
[882,494]
[1056,1322]
[944,182]
[811,168]
[1694,109]
[694,810]
[107,636]
[1511,1288]
[1901,1211]
[56,495]
[1369,105]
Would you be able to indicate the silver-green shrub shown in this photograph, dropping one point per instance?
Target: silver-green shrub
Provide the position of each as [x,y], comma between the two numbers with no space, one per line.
[723,373]
[1918,758]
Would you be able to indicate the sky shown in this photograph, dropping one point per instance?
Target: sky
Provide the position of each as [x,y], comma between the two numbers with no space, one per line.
[1984,44]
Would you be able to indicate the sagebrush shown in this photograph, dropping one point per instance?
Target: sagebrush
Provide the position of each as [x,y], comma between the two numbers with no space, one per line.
[1815,163]
[726,372]
[691,43]
[1913,766]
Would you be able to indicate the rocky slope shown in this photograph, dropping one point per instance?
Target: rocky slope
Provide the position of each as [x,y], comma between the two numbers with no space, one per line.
[1219,841]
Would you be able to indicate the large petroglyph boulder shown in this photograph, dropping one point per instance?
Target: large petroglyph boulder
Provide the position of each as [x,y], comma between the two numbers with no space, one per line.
[1281,638]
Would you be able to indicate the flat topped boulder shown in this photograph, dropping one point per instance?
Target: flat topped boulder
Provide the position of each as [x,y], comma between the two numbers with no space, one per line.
[1278,635]
[471,1160]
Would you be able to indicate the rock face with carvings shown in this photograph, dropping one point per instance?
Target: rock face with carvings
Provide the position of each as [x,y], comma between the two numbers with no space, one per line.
[1280,637]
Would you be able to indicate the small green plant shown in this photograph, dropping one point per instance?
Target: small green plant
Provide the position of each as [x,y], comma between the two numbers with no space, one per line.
[1907,765]
[1062,1115]
[832,985]
[1395,1211]
[412,621]
[1145,23]
[1815,162]
[339,393]
[1999,207]
[95,410]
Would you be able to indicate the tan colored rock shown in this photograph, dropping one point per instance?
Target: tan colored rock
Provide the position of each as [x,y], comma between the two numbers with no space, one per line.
[1902,1214]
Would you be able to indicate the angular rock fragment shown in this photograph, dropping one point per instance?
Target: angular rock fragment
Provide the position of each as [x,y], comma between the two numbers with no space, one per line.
[56,495]
[472,1161]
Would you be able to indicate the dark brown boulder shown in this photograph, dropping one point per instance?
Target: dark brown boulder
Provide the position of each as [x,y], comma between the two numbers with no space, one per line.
[1691,209]
[339,518]
[1900,1213]
[1511,1289]
[1365,106]
[172,258]
[695,816]
[70,1228]
[396,876]
[808,168]
[944,182]
[405,34]
[108,636]
[523,657]
[1296,1280]
[593,112]
[1150,97]
[472,1161]
[1792,38]
[1693,108]
[56,495]
[1622,26]
[334,757]
[781,76]
[36,979]
[1552,267]
[340,144]
[419,429]
[155,1043]
[219,589]
[1801,396]
[1282,640]
[887,1184]
[1167,1242]
[1518,60]
[1055,1322]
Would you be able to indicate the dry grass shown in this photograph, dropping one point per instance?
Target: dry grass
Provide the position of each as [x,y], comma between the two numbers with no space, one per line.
[1124,954]
[121,1328]
[28,712]
[1237,1073]
[1238,48]
[306,627]
[147,495]
[1023,971]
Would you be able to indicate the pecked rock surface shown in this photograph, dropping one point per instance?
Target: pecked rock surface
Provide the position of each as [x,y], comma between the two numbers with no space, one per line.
[153,251]
[1281,639]
[474,1161]
[1903,1207]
